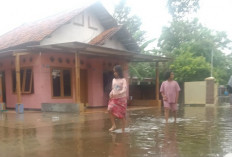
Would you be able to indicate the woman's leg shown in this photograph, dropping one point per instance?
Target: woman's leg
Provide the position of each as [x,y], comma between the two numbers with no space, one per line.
[112,121]
[166,113]
[123,124]
[174,115]
[174,111]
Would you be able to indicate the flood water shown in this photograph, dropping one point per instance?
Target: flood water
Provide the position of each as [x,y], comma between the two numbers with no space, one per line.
[199,132]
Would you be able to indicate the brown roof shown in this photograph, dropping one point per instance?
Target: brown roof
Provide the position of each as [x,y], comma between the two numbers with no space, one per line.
[101,38]
[36,31]
[32,34]
[122,35]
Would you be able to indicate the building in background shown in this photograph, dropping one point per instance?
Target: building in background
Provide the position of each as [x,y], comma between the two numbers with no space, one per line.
[63,63]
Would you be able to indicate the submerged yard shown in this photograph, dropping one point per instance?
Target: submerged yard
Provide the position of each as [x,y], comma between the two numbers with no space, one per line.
[199,132]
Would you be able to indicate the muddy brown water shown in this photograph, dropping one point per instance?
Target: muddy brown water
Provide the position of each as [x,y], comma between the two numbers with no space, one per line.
[199,132]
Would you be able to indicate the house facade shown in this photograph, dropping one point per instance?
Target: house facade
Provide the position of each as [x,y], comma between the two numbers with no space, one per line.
[64,63]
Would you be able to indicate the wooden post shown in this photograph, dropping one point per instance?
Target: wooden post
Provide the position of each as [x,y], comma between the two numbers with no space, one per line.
[17,70]
[77,72]
[19,105]
[1,91]
[3,107]
[158,102]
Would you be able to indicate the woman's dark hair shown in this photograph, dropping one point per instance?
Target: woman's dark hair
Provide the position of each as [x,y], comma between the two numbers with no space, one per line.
[167,75]
[118,70]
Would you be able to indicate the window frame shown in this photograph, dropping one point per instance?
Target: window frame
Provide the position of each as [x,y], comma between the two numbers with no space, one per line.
[62,96]
[23,81]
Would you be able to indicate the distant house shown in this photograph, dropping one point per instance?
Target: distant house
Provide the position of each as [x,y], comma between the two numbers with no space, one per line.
[64,62]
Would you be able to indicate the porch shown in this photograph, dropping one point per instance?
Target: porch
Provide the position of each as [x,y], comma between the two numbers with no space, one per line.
[80,54]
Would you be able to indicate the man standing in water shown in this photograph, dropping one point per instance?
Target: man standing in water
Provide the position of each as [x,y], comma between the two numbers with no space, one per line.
[170,92]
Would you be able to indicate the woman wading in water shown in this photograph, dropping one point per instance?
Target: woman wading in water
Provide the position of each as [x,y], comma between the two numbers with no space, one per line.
[118,98]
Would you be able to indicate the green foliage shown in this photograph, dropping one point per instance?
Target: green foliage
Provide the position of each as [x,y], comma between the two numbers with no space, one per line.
[190,36]
[181,8]
[145,45]
[142,70]
[189,44]
[189,68]
[227,70]
[122,14]
[133,24]
[181,32]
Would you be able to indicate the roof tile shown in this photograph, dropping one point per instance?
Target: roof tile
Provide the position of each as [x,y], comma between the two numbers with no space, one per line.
[36,31]
[101,38]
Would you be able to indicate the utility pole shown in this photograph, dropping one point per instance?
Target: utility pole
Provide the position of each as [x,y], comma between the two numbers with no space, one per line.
[211,73]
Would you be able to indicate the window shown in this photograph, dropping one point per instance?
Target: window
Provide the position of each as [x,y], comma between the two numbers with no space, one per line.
[26,80]
[61,82]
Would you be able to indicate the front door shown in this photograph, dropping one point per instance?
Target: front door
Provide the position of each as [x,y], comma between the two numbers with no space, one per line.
[84,86]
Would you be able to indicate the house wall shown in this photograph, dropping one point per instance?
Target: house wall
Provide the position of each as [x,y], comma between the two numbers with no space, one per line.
[82,28]
[41,79]
[95,86]
[114,43]
[29,100]
[77,30]
[7,65]
[195,92]
[44,84]
[41,64]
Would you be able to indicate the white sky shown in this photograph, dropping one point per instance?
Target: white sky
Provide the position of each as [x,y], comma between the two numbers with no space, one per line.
[213,13]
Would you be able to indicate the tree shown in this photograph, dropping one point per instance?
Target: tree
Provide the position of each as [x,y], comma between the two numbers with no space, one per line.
[179,9]
[190,68]
[142,70]
[133,24]
[192,37]
[122,14]
[181,32]
[189,36]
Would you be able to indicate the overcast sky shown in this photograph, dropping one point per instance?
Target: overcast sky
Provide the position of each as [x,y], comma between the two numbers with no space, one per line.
[215,14]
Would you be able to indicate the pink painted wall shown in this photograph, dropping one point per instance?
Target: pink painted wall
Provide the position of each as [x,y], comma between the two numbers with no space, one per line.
[29,100]
[44,76]
[95,82]
[42,64]
[41,79]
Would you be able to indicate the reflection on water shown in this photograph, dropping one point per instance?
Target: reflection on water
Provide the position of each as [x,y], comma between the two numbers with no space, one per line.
[198,132]
[169,147]
[119,145]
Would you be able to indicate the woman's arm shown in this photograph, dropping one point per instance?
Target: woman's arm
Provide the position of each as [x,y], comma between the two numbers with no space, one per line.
[111,92]
[164,96]
[124,87]
[177,97]
[162,92]
[177,92]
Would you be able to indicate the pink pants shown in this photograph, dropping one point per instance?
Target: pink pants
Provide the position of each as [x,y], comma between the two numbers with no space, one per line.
[172,106]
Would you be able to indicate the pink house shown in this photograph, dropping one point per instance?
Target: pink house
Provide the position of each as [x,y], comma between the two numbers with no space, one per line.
[64,62]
